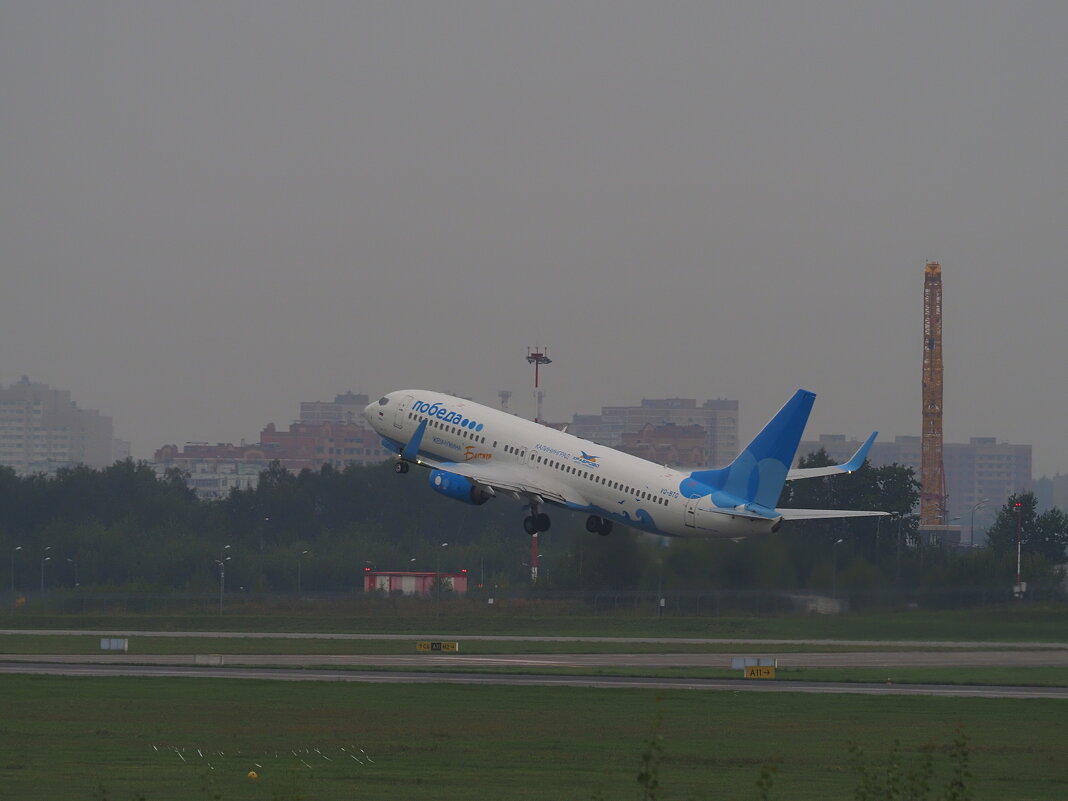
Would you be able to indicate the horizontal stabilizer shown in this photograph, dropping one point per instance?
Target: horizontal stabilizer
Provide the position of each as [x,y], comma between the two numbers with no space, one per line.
[824,514]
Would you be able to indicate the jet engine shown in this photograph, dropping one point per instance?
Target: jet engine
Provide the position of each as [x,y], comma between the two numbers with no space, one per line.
[459,488]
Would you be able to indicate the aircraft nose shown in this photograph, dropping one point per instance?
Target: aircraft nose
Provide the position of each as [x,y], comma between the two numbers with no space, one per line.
[369,412]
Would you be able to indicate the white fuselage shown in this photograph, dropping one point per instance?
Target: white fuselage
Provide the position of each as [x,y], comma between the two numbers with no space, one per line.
[575,473]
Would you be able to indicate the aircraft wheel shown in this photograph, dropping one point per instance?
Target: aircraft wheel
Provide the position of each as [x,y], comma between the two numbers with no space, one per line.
[530,525]
[593,524]
[543,522]
[400,468]
[605,528]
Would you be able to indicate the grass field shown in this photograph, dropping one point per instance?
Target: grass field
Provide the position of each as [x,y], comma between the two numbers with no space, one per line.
[84,644]
[143,738]
[1026,623]
[120,739]
[162,644]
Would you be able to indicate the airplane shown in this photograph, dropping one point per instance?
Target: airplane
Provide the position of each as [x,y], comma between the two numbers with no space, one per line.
[475,453]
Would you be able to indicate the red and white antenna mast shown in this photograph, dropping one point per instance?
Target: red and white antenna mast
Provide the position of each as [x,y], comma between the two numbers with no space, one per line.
[538,356]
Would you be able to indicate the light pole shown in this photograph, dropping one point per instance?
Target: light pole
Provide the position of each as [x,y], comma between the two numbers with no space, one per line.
[437,576]
[834,569]
[75,566]
[1019,541]
[897,577]
[971,527]
[44,559]
[221,562]
[370,582]
[878,523]
[259,570]
[13,552]
[300,560]
[660,588]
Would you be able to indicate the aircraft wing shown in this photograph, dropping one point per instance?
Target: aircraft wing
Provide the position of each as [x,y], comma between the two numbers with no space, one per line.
[512,479]
[855,462]
[819,514]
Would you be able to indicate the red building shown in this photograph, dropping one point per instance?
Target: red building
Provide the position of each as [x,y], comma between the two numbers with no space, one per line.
[311,445]
[412,582]
[304,445]
[670,444]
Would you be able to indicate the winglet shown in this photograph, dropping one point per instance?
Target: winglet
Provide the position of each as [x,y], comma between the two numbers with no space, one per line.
[857,460]
[854,463]
[411,450]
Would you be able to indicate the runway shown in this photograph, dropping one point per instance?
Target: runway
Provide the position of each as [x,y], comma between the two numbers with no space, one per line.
[608,682]
[786,659]
[462,668]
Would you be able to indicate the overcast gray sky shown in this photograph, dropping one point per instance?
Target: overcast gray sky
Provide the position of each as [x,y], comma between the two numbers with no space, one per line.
[212,211]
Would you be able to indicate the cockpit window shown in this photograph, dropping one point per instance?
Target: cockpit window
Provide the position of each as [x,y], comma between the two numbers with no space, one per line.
[383,401]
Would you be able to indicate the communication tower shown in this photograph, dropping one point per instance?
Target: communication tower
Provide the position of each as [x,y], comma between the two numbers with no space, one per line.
[932,468]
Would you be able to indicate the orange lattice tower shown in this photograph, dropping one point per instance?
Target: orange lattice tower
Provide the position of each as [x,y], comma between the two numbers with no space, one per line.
[932,470]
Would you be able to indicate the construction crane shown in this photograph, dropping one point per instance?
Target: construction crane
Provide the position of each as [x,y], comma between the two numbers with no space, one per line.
[932,468]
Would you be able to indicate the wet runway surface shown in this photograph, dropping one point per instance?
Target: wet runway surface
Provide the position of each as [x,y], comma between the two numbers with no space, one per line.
[613,682]
[450,667]
[839,659]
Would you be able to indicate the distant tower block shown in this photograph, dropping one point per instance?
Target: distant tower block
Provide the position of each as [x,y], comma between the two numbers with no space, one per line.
[505,395]
[932,469]
[538,357]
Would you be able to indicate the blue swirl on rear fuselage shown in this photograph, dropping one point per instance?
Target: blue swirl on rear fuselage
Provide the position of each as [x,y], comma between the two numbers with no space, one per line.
[691,488]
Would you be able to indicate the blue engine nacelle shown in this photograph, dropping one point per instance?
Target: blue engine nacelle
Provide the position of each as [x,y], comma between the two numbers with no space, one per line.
[459,488]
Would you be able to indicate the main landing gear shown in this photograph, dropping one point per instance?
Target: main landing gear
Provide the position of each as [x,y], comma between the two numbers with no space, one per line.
[532,524]
[598,525]
[400,467]
[539,521]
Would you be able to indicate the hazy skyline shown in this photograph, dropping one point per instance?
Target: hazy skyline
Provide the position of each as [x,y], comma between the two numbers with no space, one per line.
[211,212]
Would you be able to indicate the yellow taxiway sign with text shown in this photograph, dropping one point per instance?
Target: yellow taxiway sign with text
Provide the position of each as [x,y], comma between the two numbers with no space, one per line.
[759,672]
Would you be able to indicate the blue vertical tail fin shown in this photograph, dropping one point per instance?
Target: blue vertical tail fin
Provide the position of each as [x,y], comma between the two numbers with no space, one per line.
[755,478]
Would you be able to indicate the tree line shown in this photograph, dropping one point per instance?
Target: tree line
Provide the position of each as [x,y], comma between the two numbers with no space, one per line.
[125,528]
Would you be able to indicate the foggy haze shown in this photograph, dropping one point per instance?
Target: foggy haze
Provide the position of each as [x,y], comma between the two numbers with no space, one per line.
[211,212]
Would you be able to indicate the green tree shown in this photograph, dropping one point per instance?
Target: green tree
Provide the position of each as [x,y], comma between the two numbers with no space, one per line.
[1045,534]
[1051,535]
[876,540]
